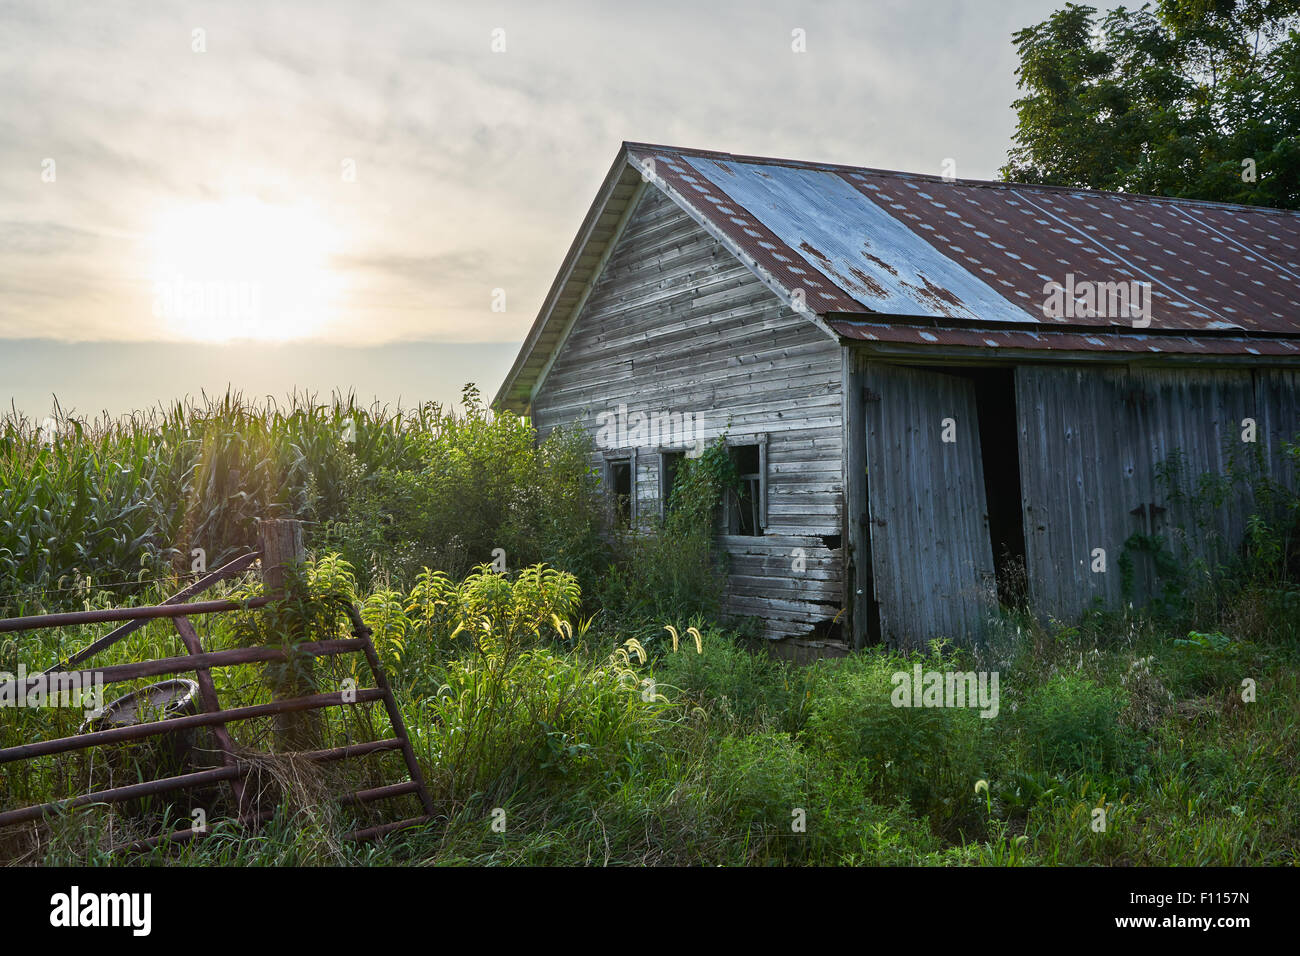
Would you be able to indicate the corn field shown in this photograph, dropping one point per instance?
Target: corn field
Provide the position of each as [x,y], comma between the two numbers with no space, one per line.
[117,503]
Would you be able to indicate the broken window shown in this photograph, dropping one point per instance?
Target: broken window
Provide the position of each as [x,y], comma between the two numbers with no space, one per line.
[745,511]
[619,483]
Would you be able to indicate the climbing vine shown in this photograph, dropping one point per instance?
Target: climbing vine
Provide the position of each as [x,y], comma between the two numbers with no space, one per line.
[1168,571]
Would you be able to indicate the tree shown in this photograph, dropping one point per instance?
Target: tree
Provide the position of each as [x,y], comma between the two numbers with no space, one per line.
[1192,98]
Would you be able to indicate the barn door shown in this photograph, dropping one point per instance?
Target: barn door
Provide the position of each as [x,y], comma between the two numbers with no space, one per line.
[931,555]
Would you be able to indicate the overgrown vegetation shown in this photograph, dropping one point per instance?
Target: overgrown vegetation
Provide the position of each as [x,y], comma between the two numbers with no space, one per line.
[591,707]
[119,503]
[667,569]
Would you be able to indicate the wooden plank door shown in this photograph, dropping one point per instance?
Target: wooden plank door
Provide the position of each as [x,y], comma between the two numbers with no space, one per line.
[931,554]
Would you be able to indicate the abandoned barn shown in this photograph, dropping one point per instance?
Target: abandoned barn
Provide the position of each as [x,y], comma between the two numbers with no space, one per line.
[936,391]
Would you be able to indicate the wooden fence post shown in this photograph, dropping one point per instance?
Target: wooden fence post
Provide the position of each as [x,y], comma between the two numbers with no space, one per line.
[282,548]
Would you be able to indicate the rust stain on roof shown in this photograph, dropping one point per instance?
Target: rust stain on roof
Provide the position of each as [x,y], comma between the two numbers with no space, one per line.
[943,300]
[881,263]
[812,251]
[865,240]
[867,281]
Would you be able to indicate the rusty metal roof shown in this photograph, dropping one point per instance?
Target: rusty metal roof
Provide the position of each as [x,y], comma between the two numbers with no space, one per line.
[913,261]
[900,244]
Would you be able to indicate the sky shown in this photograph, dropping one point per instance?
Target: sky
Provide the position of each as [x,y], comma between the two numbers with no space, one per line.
[375,196]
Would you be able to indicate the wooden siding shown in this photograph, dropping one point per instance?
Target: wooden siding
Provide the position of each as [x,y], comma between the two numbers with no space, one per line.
[1092,441]
[932,562]
[858,588]
[674,323]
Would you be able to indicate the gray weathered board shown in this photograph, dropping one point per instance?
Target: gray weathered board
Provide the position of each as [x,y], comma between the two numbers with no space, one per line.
[675,323]
[1093,443]
[930,550]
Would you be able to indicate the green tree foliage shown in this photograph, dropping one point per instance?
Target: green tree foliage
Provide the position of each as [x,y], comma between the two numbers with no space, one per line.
[1189,98]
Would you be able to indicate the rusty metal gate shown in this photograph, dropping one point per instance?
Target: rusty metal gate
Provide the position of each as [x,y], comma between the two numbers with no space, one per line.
[234,770]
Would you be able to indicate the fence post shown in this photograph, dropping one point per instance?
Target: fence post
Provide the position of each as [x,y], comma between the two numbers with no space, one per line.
[282,547]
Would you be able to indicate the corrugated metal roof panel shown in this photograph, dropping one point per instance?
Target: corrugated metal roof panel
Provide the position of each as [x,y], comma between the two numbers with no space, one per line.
[903,244]
[878,259]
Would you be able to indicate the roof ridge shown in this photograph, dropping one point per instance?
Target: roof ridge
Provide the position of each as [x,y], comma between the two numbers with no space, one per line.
[974,183]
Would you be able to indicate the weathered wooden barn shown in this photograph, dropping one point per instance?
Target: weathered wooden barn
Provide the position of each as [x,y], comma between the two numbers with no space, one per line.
[923,380]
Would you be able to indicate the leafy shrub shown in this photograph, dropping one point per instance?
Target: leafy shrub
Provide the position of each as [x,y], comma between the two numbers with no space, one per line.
[497,611]
[928,756]
[484,489]
[1071,723]
[501,725]
[494,711]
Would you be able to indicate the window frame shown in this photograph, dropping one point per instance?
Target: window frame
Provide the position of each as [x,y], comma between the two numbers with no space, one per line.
[618,457]
[664,491]
[741,441]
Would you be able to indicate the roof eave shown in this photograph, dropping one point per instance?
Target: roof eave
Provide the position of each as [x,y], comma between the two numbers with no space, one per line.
[949,337]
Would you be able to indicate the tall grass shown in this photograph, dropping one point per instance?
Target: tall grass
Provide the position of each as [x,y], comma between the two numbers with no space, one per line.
[520,715]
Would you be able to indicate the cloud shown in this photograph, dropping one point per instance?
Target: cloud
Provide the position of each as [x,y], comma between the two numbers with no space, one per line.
[473,168]
[419,270]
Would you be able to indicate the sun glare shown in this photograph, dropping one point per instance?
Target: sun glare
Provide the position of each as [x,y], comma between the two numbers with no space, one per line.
[243,269]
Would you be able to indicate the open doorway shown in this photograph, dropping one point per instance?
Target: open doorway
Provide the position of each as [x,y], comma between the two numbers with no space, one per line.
[999,436]
[944,524]
[995,401]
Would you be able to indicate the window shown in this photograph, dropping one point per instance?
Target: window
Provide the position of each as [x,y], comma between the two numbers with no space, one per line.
[669,462]
[619,472]
[746,507]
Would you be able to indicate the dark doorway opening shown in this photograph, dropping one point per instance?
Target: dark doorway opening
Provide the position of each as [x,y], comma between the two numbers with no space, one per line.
[907,403]
[999,431]
[995,400]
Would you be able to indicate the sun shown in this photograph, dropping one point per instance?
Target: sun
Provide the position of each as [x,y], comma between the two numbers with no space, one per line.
[243,269]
